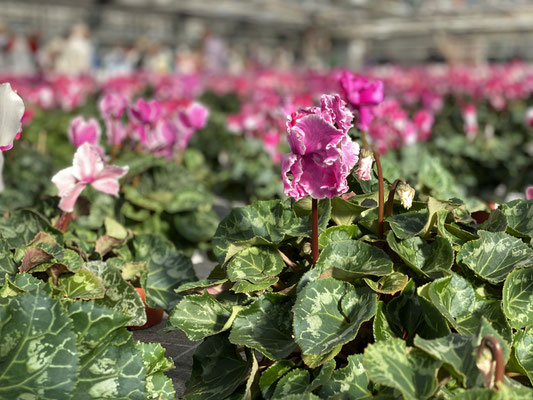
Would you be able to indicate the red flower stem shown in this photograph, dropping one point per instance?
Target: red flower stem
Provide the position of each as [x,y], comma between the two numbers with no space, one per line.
[497,355]
[381,194]
[314,230]
[64,221]
[390,199]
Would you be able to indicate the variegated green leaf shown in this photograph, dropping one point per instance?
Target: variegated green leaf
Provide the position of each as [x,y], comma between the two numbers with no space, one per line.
[517,297]
[409,224]
[255,264]
[264,326]
[411,371]
[218,369]
[21,227]
[328,313]
[390,284]
[381,327]
[38,357]
[350,382]
[519,214]
[294,382]
[196,226]
[158,385]
[263,222]
[245,286]
[271,375]
[497,222]
[202,315]
[429,259]
[494,255]
[458,353]
[523,347]
[338,233]
[119,294]
[82,284]
[353,259]
[110,364]
[168,269]
[7,265]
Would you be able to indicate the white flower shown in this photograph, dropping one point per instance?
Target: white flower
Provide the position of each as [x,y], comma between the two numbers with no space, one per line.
[11,112]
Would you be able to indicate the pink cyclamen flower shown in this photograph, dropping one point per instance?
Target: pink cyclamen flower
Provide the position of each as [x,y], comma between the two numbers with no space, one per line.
[322,153]
[81,131]
[88,168]
[529,192]
[194,116]
[11,113]
[362,94]
[364,171]
[113,105]
[116,132]
[423,121]
[145,112]
[470,120]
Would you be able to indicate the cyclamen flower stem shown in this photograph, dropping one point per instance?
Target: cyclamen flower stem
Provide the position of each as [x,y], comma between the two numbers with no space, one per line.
[64,221]
[287,261]
[491,343]
[381,194]
[314,230]
[390,199]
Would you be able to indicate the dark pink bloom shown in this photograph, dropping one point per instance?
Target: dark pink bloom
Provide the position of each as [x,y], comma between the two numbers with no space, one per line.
[113,105]
[81,131]
[362,94]
[194,116]
[423,121]
[322,153]
[145,112]
[529,192]
[88,168]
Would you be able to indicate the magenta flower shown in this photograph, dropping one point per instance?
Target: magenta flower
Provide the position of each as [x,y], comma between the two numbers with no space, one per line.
[145,112]
[529,117]
[195,116]
[88,168]
[81,131]
[423,121]
[322,153]
[362,94]
[113,105]
[529,192]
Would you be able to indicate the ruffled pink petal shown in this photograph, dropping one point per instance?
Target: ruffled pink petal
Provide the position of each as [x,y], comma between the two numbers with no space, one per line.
[87,163]
[65,181]
[68,201]
[291,172]
[350,153]
[311,134]
[320,180]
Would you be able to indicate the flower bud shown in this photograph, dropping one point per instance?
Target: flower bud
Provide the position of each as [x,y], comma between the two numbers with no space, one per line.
[365,166]
[407,194]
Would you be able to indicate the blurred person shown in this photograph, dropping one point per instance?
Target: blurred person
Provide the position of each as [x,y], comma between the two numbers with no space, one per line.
[47,55]
[187,60]
[215,53]
[21,59]
[158,59]
[77,54]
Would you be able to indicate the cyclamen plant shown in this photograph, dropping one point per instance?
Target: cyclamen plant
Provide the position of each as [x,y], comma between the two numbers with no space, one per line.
[322,157]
